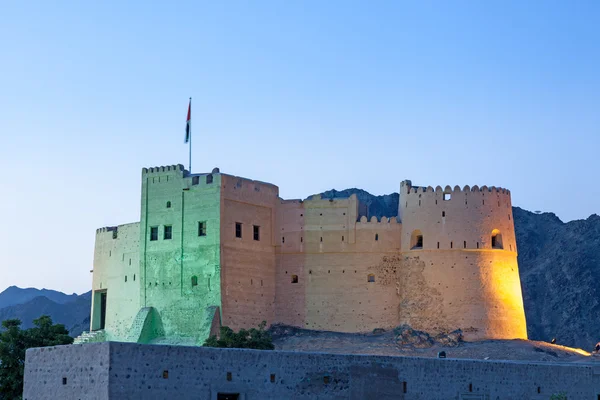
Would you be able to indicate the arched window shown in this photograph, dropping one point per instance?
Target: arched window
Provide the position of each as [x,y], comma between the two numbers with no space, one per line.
[416,240]
[497,239]
[370,278]
[194,280]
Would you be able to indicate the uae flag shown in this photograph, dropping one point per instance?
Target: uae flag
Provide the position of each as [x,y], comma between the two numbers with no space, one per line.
[188,125]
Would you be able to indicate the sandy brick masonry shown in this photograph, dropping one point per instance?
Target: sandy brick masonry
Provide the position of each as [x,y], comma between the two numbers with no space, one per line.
[132,371]
[447,260]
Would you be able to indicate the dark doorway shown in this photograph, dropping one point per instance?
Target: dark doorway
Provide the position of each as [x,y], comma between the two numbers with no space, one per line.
[228,396]
[102,310]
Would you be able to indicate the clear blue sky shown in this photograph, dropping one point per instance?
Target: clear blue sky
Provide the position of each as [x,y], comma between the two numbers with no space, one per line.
[309,95]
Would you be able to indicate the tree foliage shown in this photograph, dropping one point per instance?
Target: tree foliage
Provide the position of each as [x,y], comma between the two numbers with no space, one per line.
[14,341]
[244,339]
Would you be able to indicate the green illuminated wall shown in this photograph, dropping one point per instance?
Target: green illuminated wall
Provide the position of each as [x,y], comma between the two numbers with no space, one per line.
[168,266]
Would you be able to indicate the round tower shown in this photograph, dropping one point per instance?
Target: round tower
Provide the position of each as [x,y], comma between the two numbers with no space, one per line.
[459,258]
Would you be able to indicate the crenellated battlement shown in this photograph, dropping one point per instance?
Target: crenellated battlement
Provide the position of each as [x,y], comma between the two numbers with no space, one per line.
[409,189]
[374,221]
[163,168]
[107,229]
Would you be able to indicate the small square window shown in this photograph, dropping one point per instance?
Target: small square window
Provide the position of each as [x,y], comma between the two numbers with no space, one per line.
[202,228]
[326,379]
[195,180]
[168,232]
[447,196]
[294,278]
[209,179]
[168,204]
[238,229]
[256,230]
[64,381]
[154,233]
[371,278]
[165,374]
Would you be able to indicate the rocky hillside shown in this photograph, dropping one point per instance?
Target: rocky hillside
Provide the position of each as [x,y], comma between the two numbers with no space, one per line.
[559,263]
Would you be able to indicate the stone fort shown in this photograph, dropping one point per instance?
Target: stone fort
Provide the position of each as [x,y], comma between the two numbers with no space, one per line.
[213,249]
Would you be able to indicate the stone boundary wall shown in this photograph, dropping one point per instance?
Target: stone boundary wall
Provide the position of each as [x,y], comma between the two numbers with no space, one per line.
[132,371]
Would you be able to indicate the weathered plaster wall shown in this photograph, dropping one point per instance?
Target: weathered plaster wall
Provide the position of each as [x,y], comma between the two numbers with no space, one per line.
[86,370]
[174,372]
[332,255]
[168,266]
[464,283]
[247,265]
[116,272]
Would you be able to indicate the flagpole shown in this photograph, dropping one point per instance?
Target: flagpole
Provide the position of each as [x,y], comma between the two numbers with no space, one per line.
[190,137]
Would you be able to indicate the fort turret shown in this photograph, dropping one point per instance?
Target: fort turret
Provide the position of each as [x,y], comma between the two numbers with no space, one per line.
[460,261]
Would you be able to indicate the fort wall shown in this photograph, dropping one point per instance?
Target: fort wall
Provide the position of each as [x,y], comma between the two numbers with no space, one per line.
[133,371]
[332,271]
[116,276]
[247,262]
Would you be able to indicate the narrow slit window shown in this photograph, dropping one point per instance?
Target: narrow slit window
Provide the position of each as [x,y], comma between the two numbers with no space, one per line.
[168,204]
[238,230]
[443,213]
[438,245]
[451,245]
[465,244]
[256,230]
[376,236]
[194,281]
[321,238]
[283,239]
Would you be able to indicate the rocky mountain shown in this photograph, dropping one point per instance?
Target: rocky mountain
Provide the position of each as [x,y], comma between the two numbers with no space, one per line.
[72,314]
[558,263]
[15,295]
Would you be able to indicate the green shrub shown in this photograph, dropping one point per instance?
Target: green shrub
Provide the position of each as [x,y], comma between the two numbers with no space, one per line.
[253,338]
